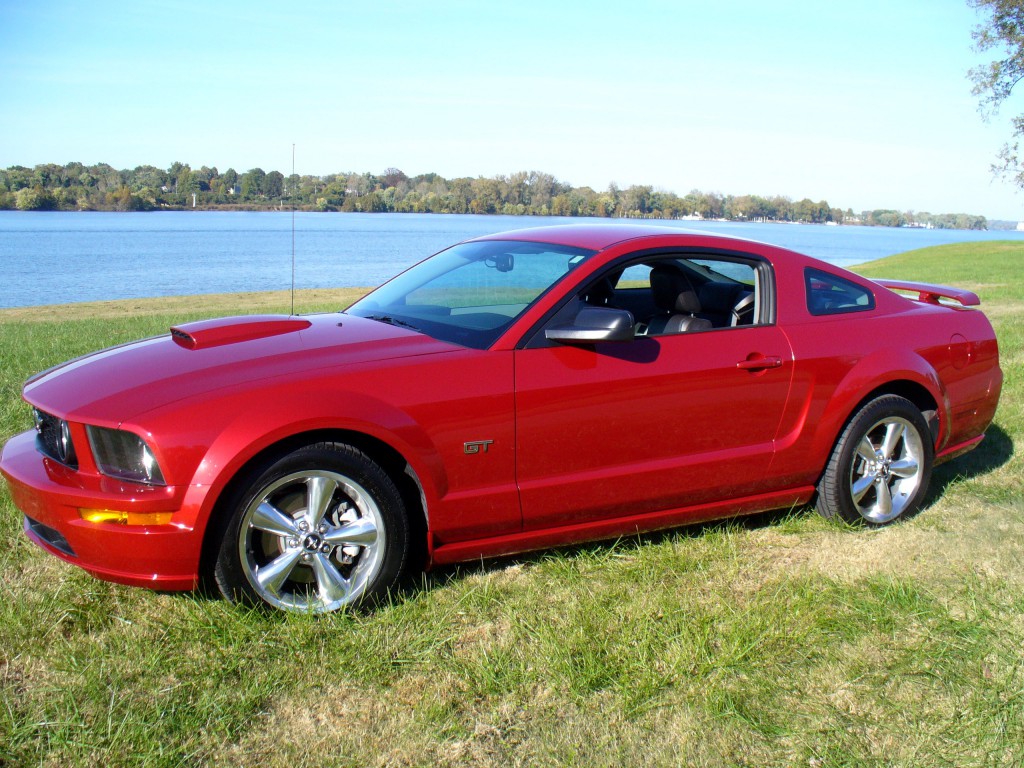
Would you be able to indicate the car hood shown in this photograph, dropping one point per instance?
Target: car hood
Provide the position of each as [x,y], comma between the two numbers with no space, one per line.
[116,384]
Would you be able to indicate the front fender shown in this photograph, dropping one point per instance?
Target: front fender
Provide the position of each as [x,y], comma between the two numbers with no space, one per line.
[237,432]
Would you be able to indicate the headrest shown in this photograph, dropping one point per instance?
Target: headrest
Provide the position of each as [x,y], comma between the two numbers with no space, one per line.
[673,291]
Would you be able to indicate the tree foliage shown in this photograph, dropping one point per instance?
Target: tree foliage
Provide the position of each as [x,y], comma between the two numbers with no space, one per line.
[100,187]
[1002,33]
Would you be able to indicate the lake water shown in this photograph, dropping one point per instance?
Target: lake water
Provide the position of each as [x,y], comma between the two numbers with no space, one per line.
[56,258]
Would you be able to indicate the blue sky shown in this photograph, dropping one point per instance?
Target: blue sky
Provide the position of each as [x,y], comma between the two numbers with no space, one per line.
[866,105]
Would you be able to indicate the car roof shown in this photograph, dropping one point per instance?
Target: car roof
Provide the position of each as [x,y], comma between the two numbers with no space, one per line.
[596,237]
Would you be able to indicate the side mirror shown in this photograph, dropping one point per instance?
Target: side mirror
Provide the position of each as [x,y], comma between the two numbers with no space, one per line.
[594,324]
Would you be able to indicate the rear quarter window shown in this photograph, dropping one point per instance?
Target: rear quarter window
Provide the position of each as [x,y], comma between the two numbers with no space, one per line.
[833,295]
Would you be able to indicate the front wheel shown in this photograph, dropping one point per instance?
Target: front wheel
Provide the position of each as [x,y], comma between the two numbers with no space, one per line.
[880,467]
[321,528]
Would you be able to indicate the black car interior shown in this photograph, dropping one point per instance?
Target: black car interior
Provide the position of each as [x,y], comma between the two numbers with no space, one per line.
[680,298]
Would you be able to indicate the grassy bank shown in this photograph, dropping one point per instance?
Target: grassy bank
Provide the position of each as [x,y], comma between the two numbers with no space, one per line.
[777,640]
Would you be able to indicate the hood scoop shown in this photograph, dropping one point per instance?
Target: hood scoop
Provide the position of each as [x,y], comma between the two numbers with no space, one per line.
[231,330]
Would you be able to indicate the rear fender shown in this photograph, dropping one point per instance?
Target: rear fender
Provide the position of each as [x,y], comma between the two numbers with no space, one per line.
[885,371]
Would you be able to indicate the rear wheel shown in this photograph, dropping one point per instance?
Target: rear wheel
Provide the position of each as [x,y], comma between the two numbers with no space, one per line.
[880,468]
[321,528]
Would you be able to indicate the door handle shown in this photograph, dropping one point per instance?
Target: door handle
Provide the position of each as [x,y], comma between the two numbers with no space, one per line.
[757,362]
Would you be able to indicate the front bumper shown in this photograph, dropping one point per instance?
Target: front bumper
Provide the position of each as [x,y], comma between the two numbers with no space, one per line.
[50,495]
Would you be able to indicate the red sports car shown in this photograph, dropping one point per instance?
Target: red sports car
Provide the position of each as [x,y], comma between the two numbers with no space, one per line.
[516,391]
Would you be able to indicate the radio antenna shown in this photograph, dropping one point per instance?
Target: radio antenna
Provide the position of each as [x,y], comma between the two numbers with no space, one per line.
[293,228]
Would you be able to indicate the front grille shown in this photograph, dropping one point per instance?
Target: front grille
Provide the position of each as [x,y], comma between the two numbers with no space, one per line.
[49,535]
[53,438]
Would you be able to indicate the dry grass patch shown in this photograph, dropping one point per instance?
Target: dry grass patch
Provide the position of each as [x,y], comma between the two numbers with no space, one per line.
[984,539]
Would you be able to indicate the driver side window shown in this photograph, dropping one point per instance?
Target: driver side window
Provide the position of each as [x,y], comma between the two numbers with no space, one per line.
[680,294]
[665,294]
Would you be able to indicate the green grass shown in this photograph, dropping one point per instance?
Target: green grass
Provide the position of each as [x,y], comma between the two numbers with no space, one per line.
[775,640]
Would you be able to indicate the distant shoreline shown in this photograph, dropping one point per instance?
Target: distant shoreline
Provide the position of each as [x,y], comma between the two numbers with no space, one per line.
[100,187]
[1007,226]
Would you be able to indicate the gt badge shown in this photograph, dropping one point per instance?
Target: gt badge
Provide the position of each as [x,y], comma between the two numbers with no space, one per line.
[477,446]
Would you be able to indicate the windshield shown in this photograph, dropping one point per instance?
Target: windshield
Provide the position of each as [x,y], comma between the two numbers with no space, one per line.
[470,293]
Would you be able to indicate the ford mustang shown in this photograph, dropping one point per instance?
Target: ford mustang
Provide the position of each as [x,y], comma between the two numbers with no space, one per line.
[513,392]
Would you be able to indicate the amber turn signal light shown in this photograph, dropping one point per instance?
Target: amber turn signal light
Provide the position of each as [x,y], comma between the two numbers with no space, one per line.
[124,518]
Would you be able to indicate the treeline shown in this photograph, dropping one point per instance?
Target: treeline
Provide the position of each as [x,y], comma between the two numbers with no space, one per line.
[146,188]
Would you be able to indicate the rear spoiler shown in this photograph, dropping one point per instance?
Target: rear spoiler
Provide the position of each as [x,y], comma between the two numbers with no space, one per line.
[930,293]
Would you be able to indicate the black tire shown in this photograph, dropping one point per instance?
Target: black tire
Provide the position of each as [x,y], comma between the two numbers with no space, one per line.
[881,465]
[319,529]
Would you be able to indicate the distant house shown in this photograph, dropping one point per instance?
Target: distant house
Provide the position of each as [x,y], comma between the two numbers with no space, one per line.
[1020,226]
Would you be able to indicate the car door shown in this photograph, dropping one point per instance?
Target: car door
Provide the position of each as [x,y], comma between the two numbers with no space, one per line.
[611,430]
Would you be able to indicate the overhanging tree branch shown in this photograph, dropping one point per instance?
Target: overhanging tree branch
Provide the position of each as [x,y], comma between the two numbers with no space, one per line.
[995,82]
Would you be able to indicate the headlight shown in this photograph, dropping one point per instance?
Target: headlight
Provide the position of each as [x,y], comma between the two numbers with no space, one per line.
[54,438]
[124,455]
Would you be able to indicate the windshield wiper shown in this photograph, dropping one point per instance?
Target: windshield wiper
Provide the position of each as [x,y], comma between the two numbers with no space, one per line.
[392,321]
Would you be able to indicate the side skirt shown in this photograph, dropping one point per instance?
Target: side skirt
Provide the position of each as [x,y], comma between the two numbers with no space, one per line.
[959,449]
[527,541]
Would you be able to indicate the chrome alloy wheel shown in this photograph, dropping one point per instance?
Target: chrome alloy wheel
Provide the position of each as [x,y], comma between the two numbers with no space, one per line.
[311,541]
[887,469]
